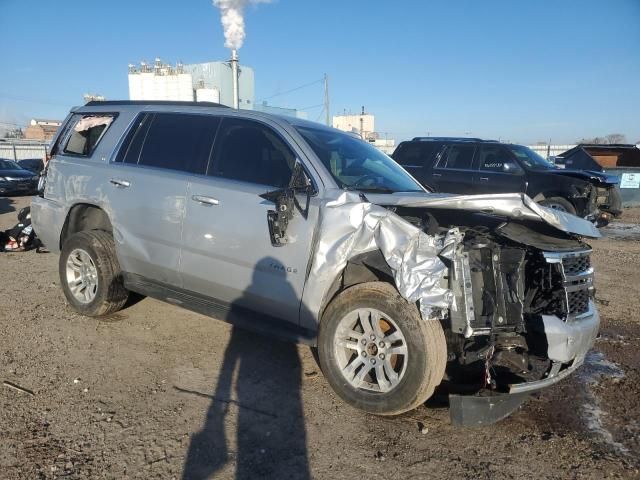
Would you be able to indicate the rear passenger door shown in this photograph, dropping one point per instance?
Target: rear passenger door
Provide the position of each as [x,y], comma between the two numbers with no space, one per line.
[227,250]
[455,169]
[499,171]
[148,186]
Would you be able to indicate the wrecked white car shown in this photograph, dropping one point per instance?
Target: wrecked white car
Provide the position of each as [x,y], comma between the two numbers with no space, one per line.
[301,231]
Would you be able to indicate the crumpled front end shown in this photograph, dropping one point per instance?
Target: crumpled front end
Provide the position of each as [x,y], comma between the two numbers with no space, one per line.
[510,281]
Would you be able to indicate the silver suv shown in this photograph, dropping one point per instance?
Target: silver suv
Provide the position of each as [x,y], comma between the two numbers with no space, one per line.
[302,231]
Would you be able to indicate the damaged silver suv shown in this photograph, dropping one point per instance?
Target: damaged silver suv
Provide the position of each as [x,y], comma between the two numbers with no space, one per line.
[301,231]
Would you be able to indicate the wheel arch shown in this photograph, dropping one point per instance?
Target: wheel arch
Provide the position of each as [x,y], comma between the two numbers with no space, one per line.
[366,267]
[82,217]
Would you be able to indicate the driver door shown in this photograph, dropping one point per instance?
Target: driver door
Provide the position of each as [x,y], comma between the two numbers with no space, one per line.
[227,251]
[499,171]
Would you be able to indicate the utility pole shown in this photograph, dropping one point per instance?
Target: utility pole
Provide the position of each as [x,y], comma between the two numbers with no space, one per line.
[326,100]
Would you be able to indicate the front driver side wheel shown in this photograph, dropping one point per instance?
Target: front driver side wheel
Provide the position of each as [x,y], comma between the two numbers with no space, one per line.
[377,352]
[560,204]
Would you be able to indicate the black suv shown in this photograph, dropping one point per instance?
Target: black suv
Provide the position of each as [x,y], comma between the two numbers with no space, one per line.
[475,166]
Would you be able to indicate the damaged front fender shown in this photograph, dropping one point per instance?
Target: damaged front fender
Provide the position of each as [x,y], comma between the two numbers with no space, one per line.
[350,226]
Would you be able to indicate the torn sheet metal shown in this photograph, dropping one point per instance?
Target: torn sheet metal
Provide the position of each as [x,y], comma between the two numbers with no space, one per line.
[350,226]
[511,205]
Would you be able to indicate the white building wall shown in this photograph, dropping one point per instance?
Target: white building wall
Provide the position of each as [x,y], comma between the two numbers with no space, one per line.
[553,150]
[208,95]
[353,123]
[149,86]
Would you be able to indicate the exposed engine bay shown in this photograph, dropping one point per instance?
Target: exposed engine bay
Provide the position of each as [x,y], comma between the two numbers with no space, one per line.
[509,278]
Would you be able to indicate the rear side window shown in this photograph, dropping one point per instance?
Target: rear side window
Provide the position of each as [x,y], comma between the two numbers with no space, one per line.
[417,154]
[409,155]
[176,141]
[458,157]
[252,152]
[494,157]
[86,133]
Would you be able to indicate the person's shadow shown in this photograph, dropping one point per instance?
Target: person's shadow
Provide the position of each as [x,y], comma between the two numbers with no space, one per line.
[271,437]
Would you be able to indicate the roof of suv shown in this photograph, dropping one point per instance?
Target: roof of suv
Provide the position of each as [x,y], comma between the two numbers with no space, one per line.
[451,139]
[101,103]
[191,106]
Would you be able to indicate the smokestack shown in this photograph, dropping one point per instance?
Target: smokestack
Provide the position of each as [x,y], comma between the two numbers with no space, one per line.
[234,79]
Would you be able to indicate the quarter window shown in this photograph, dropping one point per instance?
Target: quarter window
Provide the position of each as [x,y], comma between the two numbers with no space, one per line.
[177,141]
[458,157]
[251,152]
[87,131]
[130,150]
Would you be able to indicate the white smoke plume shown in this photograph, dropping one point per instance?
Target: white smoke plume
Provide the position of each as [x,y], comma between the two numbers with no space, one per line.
[232,17]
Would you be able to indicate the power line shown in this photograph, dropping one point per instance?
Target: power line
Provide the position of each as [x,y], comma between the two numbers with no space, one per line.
[292,90]
[312,107]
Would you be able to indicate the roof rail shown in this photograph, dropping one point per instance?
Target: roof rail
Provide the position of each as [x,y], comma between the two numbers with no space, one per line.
[445,139]
[98,103]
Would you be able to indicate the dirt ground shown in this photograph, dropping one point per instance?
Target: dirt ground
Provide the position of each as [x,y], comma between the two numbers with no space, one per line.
[158,392]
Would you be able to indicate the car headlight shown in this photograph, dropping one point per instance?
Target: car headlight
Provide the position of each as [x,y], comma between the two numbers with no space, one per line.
[3,179]
[35,178]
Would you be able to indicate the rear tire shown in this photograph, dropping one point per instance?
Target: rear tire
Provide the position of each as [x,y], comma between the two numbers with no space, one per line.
[559,203]
[90,274]
[387,383]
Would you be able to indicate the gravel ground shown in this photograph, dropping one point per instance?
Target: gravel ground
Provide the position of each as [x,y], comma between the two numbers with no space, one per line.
[159,392]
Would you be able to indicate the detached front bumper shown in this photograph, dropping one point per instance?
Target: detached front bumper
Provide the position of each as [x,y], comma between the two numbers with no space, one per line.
[567,346]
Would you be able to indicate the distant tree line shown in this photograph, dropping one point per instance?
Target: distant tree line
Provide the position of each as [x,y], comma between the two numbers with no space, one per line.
[606,140]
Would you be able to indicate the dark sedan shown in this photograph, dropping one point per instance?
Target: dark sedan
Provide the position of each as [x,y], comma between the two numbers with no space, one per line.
[33,164]
[14,179]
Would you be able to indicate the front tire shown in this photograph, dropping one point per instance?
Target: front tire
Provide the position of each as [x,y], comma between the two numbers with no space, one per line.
[377,352]
[560,204]
[90,274]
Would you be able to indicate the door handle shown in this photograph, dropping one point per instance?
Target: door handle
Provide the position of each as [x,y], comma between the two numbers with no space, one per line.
[436,174]
[203,200]
[484,179]
[120,183]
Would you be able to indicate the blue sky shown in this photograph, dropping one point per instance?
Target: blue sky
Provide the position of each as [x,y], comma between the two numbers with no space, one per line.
[522,71]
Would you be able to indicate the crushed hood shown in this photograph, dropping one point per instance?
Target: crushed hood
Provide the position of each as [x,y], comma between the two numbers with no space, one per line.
[517,206]
[597,178]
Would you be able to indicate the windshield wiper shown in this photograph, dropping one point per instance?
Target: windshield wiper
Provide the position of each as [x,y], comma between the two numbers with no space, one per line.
[371,189]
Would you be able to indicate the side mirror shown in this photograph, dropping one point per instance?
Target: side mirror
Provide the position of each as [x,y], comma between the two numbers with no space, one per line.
[513,168]
[286,203]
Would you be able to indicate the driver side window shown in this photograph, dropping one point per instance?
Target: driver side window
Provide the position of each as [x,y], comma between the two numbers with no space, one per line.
[251,152]
[493,158]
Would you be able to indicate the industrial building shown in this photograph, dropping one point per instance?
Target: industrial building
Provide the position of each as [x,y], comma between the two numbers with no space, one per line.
[201,82]
[364,125]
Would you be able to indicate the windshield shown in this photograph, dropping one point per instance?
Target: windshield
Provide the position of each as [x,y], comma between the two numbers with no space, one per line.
[530,158]
[9,165]
[357,165]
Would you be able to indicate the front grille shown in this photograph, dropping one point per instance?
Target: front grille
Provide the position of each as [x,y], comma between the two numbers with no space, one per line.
[576,265]
[577,280]
[578,302]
